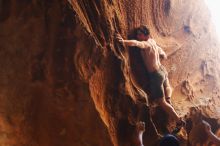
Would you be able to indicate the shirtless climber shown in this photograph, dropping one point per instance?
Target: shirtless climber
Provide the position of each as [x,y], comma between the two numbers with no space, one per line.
[159,82]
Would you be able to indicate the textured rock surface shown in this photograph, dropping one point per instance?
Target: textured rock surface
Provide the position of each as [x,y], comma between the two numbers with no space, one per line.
[65,81]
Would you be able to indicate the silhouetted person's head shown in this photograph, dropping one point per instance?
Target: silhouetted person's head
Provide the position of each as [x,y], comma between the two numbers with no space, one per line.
[169,140]
[142,33]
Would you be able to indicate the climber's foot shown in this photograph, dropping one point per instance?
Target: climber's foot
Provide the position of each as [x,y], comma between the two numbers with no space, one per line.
[179,124]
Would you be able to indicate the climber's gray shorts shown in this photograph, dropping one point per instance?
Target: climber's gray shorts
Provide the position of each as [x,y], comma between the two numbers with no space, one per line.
[158,79]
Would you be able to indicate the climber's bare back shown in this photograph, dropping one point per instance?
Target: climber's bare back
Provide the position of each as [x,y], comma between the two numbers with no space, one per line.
[151,56]
[149,49]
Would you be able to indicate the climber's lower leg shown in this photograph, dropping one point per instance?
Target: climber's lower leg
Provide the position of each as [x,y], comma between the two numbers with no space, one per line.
[168,109]
[172,113]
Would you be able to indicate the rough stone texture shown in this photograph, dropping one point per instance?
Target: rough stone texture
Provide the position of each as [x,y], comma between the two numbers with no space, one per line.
[65,80]
[43,99]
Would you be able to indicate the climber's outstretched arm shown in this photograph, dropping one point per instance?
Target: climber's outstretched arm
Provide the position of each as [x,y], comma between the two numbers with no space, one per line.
[132,43]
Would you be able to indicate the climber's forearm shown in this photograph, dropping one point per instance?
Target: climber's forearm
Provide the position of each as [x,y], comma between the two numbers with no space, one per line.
[133,43]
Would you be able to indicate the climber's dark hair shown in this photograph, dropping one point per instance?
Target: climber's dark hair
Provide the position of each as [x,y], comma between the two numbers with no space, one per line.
[169,140]
[143,30]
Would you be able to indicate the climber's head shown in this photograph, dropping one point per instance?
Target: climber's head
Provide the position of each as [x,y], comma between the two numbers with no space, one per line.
[169,140]
[142,33]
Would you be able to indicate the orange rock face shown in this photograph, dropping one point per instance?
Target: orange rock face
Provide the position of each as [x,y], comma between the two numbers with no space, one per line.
[66,81]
